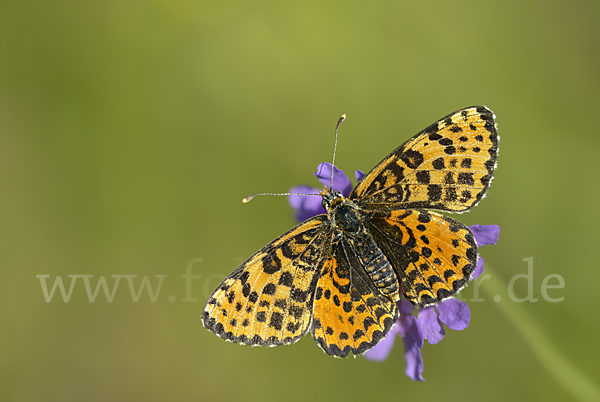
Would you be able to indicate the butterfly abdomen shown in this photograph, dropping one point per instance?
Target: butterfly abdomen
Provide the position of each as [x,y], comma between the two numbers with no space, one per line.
[377,265]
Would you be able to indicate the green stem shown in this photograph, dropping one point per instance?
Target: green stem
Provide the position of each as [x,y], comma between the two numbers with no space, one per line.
[572,379]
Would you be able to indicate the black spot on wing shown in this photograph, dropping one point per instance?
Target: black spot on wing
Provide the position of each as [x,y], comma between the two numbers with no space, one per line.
[433,279]
[443,294]
[423,176]
[450,150]
[261,316]
[271,263]
[439,164]
[426,252]
[276,321]
[412,158]
[269,289]
[448,274]
[434,192]
[246,289]
[253,297]
[466,178]
[286,279]
[424,217]
[358,334]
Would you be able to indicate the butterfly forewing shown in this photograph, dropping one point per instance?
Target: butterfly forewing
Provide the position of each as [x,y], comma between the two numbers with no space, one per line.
[268,299]
[448,166]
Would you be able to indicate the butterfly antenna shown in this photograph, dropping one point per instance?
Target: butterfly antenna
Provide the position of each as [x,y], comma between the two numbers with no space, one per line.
[246,200]
[342,118]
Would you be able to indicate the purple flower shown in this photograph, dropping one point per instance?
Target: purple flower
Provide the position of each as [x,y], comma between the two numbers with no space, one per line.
[307,207]
[485,235]
[412,329]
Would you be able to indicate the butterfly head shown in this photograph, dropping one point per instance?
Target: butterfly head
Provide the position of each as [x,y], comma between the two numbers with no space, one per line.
[331,198]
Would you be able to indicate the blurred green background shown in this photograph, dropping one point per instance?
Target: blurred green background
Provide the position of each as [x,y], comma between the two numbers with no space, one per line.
[131,130]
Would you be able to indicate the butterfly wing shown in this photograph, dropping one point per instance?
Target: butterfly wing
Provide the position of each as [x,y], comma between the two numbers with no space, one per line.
[434,255]
[268,299]
[349,312]
[448,166]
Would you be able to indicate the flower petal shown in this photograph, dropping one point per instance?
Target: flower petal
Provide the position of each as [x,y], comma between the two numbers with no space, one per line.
[405,306]
[485,235]
[359,174]
[305,207]
[341,182]
[431,326]
[381,351]
[454,313]
[479,269]
[409,330]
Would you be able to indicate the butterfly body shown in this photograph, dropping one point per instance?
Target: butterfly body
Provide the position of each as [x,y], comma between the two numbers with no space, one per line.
[347,222]
[340,274]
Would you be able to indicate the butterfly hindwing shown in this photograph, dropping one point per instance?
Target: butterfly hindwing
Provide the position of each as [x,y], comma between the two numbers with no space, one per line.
[267,300]
[349,312]
[434,255]
[448,166]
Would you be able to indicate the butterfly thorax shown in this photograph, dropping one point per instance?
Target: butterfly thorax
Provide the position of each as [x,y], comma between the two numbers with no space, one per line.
[347,220]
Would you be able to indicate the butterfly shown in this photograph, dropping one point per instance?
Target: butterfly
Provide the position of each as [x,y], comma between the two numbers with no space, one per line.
[341,274]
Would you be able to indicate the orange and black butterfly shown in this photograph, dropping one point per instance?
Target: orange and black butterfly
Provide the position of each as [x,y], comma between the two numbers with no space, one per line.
[340,274]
